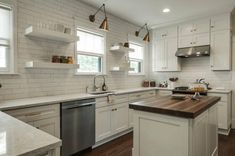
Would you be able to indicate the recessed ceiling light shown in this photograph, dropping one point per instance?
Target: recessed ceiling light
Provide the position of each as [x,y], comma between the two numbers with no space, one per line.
[166,10]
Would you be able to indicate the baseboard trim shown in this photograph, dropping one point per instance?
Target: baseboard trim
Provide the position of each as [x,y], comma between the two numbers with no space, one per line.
[224,131]
[99,143]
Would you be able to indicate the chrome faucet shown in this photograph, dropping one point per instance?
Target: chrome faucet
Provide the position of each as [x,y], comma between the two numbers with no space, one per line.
[94,83]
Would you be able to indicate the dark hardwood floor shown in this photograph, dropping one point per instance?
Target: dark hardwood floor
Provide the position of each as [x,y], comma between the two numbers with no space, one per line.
[123,146]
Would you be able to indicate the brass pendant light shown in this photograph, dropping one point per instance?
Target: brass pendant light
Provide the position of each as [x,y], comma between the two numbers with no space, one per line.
[146,37]
[104,25]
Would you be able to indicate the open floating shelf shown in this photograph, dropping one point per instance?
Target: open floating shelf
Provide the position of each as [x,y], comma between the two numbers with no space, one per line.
[121,49]
[50,35]
[122,70]
[49,65]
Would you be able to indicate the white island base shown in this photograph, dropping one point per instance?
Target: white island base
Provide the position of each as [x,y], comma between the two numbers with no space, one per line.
[164,135]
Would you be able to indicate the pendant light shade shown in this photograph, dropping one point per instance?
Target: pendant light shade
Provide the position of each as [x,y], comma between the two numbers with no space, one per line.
[104,24]
[146,37]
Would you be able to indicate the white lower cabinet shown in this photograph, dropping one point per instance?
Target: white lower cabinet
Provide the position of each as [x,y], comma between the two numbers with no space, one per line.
[45,118]
[224,112]
[113,115]
[111,119]
[164,135]
[103,123]
[119,118]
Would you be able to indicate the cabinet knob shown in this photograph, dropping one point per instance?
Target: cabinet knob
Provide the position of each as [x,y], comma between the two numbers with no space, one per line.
[191,42]
[195,29]
[212,26]
[212,66]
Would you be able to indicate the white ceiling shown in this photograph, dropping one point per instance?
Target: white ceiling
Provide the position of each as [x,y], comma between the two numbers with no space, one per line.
[150,11]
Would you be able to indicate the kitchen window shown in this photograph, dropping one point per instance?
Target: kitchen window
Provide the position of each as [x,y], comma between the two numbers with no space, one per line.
[136,59]
[6,39]
[90,52]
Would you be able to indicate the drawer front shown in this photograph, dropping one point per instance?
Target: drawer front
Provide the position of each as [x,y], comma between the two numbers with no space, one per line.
[136,96]
[102,102]
[164,92]
[149,94]
[120,98]
[35,113]
[224,97]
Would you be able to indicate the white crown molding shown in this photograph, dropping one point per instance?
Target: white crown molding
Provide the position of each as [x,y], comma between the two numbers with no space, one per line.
[189,19]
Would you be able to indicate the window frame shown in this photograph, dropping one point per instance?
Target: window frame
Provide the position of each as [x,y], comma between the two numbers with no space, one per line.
[12,42]
[142,61]
[103,56]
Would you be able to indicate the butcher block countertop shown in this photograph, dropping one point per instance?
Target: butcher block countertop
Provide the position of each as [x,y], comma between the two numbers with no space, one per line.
[186,108]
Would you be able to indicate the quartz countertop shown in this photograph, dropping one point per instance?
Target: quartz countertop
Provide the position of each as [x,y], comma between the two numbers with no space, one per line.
[45,100]
[186,108]
[19,138]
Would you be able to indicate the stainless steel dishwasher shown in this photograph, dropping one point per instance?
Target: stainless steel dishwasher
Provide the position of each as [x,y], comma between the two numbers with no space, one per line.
[77,125]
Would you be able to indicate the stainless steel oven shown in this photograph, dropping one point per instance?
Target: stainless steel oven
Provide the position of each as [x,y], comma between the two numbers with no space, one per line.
[77,126]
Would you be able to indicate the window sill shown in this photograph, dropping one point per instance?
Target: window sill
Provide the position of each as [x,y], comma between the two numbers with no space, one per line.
[5,73]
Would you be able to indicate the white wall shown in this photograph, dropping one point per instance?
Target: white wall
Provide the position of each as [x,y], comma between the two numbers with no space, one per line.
[42,82]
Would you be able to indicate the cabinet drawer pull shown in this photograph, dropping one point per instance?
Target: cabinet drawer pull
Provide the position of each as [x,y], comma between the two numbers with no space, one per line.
[138,95]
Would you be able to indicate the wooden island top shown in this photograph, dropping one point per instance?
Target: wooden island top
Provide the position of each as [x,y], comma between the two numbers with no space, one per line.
[166,105]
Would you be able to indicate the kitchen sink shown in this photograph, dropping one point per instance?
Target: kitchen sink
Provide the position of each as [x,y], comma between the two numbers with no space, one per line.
[101,92]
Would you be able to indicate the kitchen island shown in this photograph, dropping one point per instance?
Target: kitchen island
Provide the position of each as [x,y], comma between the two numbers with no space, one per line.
[164,126]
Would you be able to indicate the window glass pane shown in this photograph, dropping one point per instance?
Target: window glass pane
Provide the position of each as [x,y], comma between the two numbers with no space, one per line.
[91,64]
[3,57]
[90,42]
[138,54]
[136,65]
[4,23]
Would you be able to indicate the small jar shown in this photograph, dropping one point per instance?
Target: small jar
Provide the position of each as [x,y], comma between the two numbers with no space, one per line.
[70,59]
[55,59]
[152,83]
[63,59]
[146,83]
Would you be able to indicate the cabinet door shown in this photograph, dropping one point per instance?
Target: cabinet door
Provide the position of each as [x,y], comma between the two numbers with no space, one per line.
[221,22]
[222,115]
[159,55]
[186,29]
[185,41]
[50,125]
[103,123]
[171,59]
[201,39]
[200,135]
[221,50]
[202,26]
[119,117]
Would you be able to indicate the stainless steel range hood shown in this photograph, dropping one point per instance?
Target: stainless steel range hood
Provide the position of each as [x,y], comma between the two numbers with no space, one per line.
[196,51]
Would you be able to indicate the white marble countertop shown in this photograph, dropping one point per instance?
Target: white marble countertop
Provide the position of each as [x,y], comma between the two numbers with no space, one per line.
[19,138]
[37,101]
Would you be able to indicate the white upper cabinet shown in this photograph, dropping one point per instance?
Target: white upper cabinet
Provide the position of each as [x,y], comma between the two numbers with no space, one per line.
[221,50]
[194,27]
[221,42]
[164,49]
[195,33]
[221,22]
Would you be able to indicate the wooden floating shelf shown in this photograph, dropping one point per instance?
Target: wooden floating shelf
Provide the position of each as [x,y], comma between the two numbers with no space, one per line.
[50,35]
[121,49]
[49,65]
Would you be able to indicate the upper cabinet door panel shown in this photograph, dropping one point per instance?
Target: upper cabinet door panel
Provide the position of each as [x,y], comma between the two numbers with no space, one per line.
[201,39]
[186,29]
[202,26]
[165,33]
[185,41]
[221,22]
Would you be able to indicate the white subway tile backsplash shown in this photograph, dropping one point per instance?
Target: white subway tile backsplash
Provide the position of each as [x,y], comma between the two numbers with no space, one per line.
[44,82]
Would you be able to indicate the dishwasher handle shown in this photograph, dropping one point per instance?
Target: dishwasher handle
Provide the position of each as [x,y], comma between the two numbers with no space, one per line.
[78,105]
